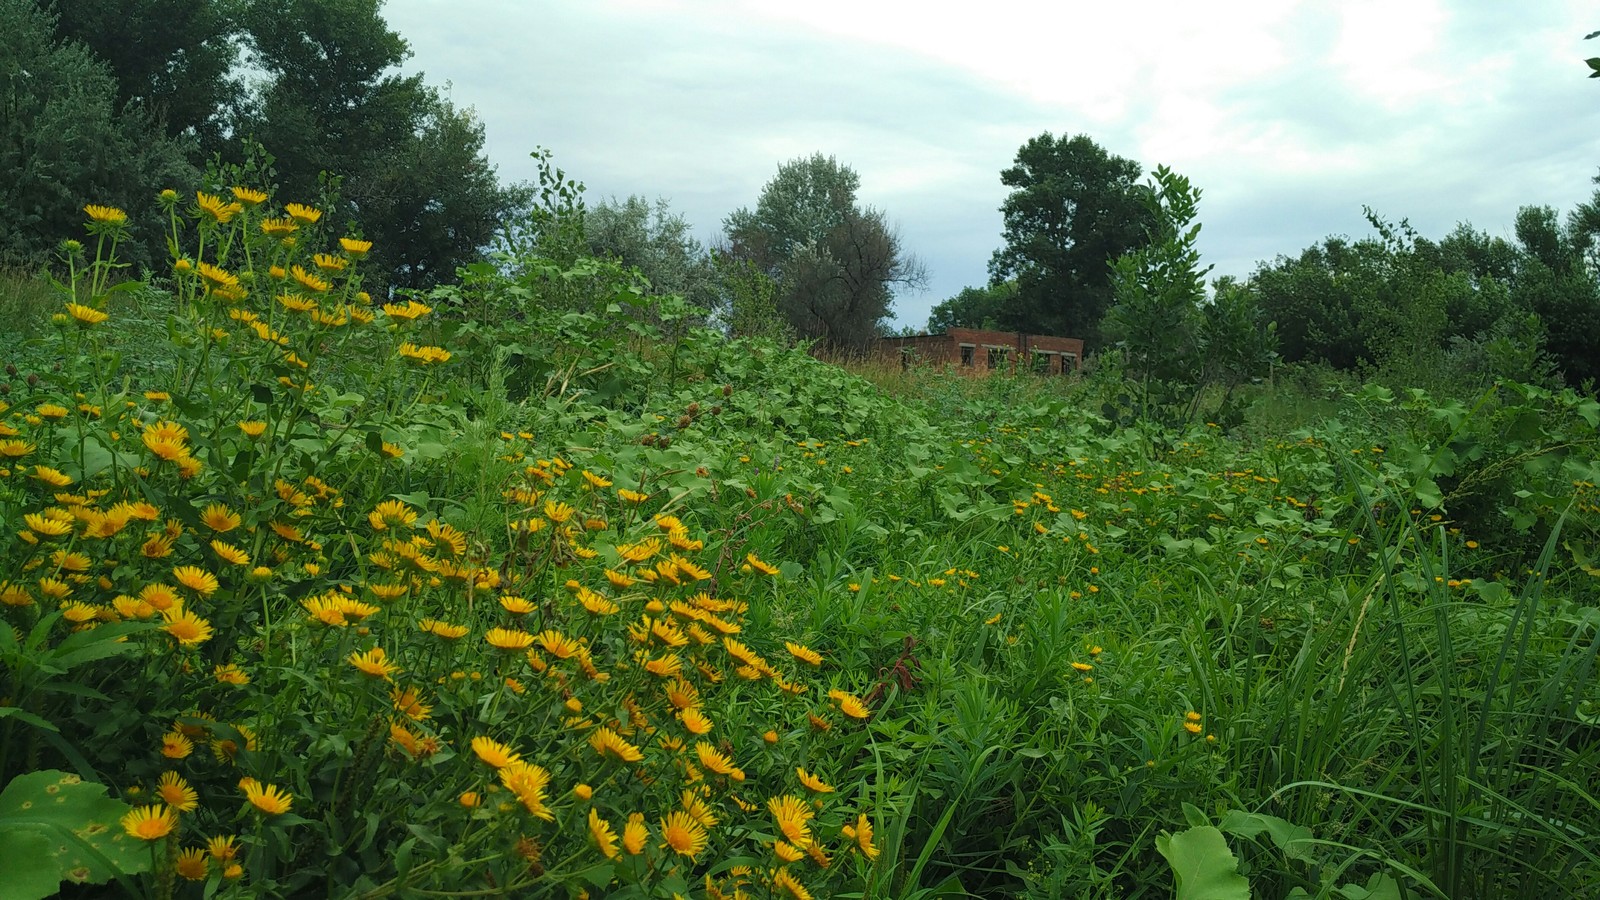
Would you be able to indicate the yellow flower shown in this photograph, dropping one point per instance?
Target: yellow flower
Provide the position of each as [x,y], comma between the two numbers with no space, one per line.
[52,477]
[683,834]
[307,280]
[762,567]
[270,798]
[175,745]
[443,629]
[496,754]
[391,513]
[528,783]
[408,310]
[813,783]
[86,315]
[803,653]
[849,704]
[558,644]
[607,742]
[604,838]
[783,881]
[356,247]
[409,703]
[374,662]
[15,449]
[249,196]
[150,823]
[177,793]
[222,848]
[219,210]
[634,834]
[279,228]
[330,263]
[230,674]
[469,799]
[306,215]
[189,629]
[695,721]
[105,215]
[791,814]
[424,355]
[508,639]
[788,852]
[230,554]
[632,496]
[196,579]
[192,863]
[51,411]
[861,831]
[714,760]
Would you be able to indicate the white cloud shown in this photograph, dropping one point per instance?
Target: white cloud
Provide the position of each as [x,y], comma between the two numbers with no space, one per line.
[1290,115]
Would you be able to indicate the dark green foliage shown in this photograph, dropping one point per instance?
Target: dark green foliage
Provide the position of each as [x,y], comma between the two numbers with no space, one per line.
[173,60]
[975,307]
[835,263]
[1073,209]
[657,242]
[63,143]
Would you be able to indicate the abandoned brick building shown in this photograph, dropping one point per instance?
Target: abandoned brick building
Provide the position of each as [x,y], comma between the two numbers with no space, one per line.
[984,351]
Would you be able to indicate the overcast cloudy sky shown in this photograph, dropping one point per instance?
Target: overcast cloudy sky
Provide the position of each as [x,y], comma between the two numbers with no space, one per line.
[1289,115]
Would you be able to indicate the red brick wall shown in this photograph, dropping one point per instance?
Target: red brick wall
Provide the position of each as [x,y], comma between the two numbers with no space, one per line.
[973,349]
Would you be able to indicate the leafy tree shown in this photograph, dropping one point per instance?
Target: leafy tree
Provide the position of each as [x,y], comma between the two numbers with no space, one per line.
[656,241]
[1555,283]
[63,143]
[975,307]
[173,60]
[333,101]
[835,264]
[1073,209]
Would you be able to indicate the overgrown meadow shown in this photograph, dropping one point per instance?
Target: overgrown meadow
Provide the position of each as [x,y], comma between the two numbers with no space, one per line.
[534,586]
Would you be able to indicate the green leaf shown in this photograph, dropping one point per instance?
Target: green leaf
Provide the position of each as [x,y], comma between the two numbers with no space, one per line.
[1294,840]
[80,829]
[1428,493]
[27,717]
[1202,865]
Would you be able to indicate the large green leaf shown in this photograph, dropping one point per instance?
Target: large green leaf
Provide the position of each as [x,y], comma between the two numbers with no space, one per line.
[56,827]
[1202,865]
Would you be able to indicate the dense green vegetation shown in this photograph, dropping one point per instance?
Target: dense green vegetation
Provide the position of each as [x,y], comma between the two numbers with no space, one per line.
[293,574]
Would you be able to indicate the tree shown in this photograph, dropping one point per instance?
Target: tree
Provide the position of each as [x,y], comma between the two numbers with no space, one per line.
[1073,209]
[173,60]
[835,264]
[412,166]
[63,143]
[974,307]
[1554,282]
[657,242]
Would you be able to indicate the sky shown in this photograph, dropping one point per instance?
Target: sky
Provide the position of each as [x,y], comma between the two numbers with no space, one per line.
[1290,116]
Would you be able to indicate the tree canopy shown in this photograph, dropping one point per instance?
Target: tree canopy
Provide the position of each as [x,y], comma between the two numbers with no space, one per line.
[835,264]
[1073,209]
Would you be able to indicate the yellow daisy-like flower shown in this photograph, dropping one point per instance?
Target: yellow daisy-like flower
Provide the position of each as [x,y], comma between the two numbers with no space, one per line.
[249,196]
[296,303]
[176,745]
[813,783]
[558,644]
[279,228]
[150,823]
[635,834]
[105,215]
[803,653]
[786,883]
[188,628]
[356,247]
[408,310]
[861,831]
[683,834]
[445,630]
[787,852]
[391,513]
[228,553]
[51,411]
[306,215]
[374,662]
[630,496]
[230,674]
[850,705]
[52,477]
[161,597]
[16,449]
[695,721]
[308,280]
[791,814]
[494,753]
[192,864]
[608,743]
[424,355]
[508,639]
[196,579]
[409,703]
[517,606]
[177,793]
[253,429]
[716,761]
[604,837]
[528,782]
[219,210]
[218,517]
[270,798]
[86,315]
[327,262]
[762,567]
